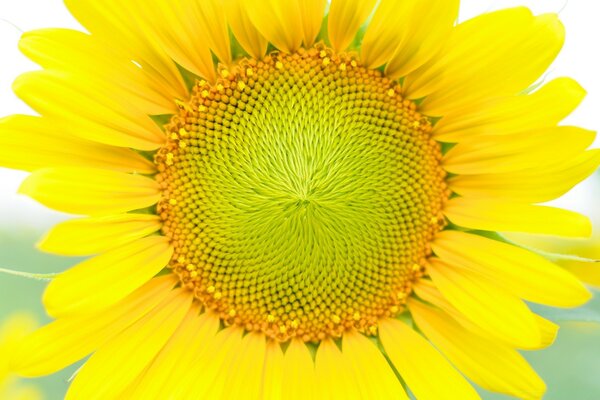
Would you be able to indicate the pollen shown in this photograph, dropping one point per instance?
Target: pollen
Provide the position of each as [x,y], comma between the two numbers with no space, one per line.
[305,187]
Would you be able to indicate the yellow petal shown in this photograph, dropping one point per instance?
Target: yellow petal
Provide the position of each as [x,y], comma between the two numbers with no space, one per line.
[280,22]
[588,249]
[69,339]
[386,31]
[31,143]
[181,44]
[544,108]
[245,33]
[86,236]
[157,375]
[312,12]
[496,215]
[373,376]
[105,279]
[215,384]
[492,365]
[216,31]
[548,331]
[345,19]
[494,54]
[406,34]
[92,60]
[164,378]
[588,273]
[193,19]
[428,292]
[123,26]
[519,271]
[272,372]
[299,380]
[485,303]
[334,376]
[90,191]
[498,154]
[87,110]
[535,185]
[244,376]
[210,382]
[119,361]
[418,363]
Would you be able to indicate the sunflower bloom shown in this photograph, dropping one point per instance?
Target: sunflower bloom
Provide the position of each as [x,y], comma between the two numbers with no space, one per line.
[13,329]
[285,206]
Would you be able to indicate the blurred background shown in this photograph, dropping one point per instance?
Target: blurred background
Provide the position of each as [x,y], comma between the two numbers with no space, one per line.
[570,367]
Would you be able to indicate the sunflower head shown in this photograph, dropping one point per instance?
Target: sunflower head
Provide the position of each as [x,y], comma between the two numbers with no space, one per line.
[296,198]
[301,193]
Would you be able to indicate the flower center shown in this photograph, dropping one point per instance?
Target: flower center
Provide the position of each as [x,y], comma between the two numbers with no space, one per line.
[301,193]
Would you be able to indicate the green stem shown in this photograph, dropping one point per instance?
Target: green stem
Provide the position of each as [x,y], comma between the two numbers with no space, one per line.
[40,277]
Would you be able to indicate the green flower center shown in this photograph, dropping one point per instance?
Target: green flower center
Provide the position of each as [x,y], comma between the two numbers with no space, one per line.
[301,193]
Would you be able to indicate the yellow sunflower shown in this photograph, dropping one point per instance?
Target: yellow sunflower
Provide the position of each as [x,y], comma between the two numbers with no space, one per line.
[13,329]
[287,206]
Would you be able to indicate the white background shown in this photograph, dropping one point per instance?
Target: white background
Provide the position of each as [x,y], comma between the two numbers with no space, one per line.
[579,59]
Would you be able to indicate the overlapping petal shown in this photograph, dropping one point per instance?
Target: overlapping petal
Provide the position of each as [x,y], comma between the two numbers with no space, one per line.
[484,59]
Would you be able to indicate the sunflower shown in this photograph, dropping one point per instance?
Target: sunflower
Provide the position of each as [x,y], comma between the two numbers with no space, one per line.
[297,200]
[13,329]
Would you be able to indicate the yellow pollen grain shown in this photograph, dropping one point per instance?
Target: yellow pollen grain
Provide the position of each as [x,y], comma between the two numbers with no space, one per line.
[173,202]
[210,289]
[217,295]
[326,61]
[232,313]
[225,73]
[270,318]
[249,72]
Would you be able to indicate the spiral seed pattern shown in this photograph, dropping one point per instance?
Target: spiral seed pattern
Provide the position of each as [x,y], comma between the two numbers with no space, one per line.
[301,193]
